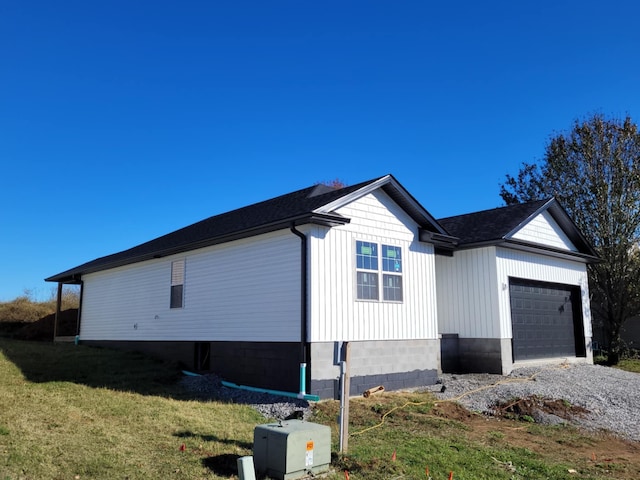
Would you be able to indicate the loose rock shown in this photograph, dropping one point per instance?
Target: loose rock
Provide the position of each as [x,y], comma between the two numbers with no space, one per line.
[209,387]
[611,396]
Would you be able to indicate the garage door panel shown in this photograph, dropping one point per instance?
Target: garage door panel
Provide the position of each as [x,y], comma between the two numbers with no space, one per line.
[542,320]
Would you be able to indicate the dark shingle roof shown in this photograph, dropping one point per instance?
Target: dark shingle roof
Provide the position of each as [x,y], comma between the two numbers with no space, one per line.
[489,225]
[296,208]
[260,217]
[495,226]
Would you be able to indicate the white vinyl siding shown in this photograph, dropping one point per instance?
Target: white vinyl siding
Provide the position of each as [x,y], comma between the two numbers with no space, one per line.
[473,288]
[517,264]
[245,290]
[335,313]
[467,296]
[544,230]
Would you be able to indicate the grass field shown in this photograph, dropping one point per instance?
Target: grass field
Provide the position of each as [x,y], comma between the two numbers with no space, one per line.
[74,412]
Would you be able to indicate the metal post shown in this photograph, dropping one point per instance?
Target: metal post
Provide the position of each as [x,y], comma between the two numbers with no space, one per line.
[58,308]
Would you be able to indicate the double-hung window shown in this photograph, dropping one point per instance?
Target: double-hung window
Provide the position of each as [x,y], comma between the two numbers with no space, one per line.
[177,284]
[367,270]
[374,262]
[391,273]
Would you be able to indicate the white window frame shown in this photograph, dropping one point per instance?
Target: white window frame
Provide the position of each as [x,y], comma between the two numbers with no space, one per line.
[380,266]
[391,268]
[364,271]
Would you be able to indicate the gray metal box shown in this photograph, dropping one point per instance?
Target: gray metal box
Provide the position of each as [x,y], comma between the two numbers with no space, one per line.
[291,449]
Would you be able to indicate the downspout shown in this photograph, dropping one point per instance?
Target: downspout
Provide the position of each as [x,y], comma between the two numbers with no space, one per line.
[304,351]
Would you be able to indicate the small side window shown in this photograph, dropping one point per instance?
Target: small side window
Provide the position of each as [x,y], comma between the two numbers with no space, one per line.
[177,284]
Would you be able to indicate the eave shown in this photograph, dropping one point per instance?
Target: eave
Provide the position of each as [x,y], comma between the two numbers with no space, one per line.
[533,248]
[113,261]
[444,244]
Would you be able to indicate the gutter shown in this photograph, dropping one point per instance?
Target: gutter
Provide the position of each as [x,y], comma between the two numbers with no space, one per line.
[532,248]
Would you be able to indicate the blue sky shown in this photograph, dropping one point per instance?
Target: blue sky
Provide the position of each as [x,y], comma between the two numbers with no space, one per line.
[123,121]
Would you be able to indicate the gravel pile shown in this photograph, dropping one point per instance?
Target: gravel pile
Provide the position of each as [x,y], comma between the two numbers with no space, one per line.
[208,387]
[611,396]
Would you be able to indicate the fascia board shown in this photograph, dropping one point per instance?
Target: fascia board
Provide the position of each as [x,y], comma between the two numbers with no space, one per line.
[549,251]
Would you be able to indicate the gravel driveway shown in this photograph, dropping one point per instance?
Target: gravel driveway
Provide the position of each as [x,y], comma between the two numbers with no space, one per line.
[611,396]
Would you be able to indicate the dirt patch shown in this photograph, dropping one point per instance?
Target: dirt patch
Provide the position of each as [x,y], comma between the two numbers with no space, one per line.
[42,330]
[540,410]
[452,411]
[597,453]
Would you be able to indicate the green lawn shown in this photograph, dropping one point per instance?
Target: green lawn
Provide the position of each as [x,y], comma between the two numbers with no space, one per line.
[630,365]
[74,412]
[77,412]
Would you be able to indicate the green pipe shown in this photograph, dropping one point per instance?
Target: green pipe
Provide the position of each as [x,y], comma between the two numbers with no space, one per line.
[303,378]
[304,396]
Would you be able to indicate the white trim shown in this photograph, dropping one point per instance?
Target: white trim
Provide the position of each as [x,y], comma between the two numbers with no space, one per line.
[529,218]
[345,200]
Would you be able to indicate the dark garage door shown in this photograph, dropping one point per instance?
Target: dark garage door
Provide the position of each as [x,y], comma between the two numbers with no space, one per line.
[546,320]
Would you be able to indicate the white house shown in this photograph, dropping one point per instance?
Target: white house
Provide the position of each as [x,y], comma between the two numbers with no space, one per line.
[252,293]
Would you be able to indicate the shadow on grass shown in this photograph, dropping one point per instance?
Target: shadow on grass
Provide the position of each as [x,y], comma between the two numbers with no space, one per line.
[224,465]
[42,362]
[214,438]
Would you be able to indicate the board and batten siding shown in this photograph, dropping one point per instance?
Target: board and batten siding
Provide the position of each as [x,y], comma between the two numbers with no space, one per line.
[531,266]
[544,230]
[246,290]
[467,295]
[473,288]
[335,313]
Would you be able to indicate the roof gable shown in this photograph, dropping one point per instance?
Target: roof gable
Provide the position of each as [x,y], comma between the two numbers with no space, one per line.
[513,226]
[397,193]
[315,204]
[543,229]
[489,225]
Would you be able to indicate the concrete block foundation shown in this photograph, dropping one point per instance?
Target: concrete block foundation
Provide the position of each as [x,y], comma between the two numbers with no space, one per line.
[395,364]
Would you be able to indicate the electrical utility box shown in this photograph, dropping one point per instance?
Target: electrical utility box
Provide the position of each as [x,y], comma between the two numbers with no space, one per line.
[291,449]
